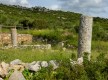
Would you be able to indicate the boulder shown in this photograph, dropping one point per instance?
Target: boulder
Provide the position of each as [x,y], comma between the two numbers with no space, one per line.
[44,64]
[16,75]
[17,68]
[80,60]
[48,46]
[16,62]
[1,79]
[54,64]
[4,68]
[64,49]
[27,65]
[33,67]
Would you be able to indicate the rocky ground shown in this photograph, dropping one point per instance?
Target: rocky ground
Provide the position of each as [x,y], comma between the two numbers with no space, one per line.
[18,67]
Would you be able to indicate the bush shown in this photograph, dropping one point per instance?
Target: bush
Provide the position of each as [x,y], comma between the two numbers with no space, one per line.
[99,33]
[95,70]
[39,24]
[52,36]
[90,70]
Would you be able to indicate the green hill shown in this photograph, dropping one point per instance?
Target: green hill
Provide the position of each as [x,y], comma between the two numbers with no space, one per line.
[42,18]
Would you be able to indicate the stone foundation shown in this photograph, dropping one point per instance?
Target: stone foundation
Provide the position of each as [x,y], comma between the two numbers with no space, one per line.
[6,40]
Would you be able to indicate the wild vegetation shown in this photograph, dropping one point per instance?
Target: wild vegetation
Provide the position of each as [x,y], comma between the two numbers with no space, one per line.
[52,27]
[42,18]
[90,70]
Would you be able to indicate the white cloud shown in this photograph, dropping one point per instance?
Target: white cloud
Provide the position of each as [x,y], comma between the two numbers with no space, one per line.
[16,2]
[89,7]
[55,7]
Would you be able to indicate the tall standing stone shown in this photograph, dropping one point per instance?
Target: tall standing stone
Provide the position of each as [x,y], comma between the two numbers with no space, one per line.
[85,36]
[14,36]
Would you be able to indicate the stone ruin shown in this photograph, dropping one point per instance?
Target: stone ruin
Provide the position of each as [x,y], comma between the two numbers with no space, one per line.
[5,39]
[85,36]
[18,67]
[15,40]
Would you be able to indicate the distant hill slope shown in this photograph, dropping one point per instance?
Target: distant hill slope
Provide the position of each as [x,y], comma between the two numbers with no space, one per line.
[42,18]
[16,13]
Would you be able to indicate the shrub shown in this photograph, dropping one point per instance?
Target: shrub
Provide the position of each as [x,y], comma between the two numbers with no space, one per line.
[90,70]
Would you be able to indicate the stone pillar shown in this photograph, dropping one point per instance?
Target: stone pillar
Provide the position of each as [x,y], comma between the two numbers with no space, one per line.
[14,36]
[85,36]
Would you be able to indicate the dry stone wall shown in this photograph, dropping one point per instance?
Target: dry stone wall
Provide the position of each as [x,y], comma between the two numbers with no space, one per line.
[6,40]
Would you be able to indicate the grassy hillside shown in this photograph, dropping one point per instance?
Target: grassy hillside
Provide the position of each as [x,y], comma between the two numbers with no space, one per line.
[53,19]
[48,26]
[42,18]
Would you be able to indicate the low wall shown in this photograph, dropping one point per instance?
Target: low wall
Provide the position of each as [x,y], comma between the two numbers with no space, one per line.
[47,46]
[5,39]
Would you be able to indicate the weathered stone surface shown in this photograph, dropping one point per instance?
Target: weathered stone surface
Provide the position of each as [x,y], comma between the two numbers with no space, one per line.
[47,46]
[27,66]
[80,60]
[4,68]
[44,64]
[54,64]
[5,39]
[64,49]
[61,44]
[17,67]
[34,67]
[85,35]
[1,79]
[16,75]
[16,62]
[14,37]
[24,38]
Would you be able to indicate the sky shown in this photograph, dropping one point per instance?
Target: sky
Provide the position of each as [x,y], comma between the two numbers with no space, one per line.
[97,8]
